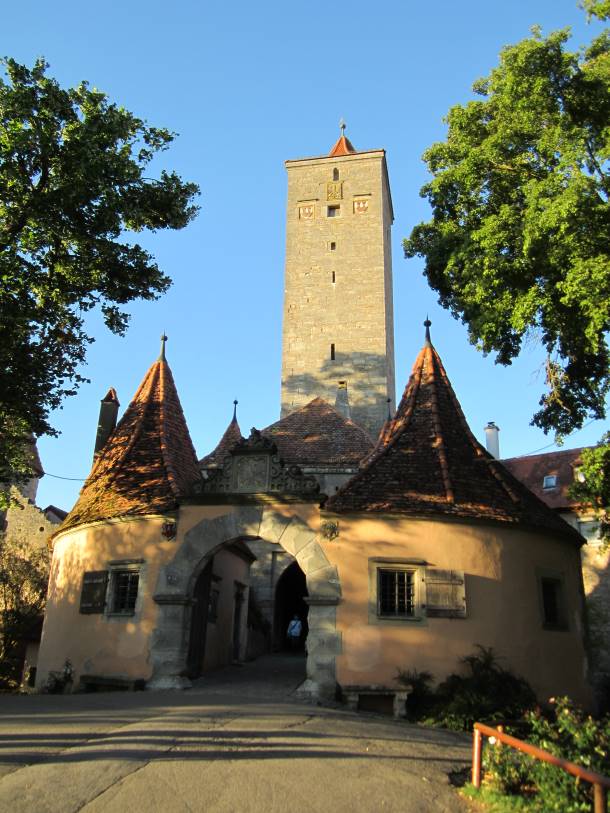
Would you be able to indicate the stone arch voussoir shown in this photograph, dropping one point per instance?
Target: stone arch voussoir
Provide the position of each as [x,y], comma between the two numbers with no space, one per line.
[169,643]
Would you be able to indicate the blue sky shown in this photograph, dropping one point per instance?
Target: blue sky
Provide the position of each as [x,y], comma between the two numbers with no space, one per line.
[248,85]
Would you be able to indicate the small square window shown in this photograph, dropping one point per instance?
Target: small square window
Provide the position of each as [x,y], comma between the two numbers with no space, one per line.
[333,246]
[396,593]
[550,481]
[124,591]
[333,211]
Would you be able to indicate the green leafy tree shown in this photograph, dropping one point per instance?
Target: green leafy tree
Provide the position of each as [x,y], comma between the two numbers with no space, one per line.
[518,243]
[72,181]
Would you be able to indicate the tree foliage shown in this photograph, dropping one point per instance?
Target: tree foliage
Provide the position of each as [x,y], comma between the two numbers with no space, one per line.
[517,246]
[72,181]
[594,486]
[24,575]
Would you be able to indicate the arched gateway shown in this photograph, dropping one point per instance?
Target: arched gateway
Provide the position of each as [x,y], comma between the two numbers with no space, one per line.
[173,594]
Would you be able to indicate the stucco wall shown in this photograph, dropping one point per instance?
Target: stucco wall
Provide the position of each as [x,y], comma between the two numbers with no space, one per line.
[502,595]
[100,644]
[227,570]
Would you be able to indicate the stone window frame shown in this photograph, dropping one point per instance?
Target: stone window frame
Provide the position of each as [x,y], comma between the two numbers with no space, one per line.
[115,568]
[335,208]
[415,566]
[557,578]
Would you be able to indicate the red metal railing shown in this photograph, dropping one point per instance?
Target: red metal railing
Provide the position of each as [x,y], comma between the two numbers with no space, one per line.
[600,783]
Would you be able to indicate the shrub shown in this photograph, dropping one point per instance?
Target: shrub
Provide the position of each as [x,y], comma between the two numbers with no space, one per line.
[484,692]
[566,732]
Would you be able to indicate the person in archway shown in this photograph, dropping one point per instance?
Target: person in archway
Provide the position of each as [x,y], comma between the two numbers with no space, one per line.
[295,628]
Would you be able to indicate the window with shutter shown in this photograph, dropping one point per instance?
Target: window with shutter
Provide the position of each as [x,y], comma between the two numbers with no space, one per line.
[93,593]
[445,593]
[397,591]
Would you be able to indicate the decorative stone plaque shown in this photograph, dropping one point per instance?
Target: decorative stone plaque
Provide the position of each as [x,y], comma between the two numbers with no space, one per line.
[361,207]
[334,190]
[252,473]
[306,212]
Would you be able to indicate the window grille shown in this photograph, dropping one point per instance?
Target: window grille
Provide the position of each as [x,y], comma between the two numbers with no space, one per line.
[124,590]
[396,591]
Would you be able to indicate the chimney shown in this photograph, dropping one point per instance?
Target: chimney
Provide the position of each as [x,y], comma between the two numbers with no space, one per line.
[109,410]
[492,439]
[342,400]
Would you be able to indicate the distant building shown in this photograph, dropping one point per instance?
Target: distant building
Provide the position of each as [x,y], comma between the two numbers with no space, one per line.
[550,476]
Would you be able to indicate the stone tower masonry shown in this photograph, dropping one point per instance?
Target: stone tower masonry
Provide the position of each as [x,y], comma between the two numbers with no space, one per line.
[338,314]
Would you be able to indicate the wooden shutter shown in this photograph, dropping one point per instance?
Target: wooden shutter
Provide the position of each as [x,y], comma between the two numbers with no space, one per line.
[445,593]
[93,594]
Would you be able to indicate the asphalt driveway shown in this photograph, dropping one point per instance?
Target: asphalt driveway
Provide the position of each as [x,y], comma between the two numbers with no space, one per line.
[238,741]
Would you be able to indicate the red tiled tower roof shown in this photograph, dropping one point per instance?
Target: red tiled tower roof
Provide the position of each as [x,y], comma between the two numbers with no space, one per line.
[428,463]
[231,437]
[343,146]
[317,434]
[147,463]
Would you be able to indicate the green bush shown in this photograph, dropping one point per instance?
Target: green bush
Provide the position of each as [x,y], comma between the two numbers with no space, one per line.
[484,692]
[564,731]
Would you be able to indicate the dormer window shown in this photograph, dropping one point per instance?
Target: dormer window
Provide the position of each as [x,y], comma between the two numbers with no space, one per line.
[579,475]
[550,481]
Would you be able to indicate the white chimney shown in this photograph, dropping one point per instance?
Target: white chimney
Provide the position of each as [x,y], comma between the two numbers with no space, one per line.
[342,400]
[492,439]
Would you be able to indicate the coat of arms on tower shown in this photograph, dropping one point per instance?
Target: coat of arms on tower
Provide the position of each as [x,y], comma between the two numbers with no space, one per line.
[334,190]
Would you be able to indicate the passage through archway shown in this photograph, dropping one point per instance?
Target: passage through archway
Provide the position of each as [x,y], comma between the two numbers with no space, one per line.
[290,595]
[174,592]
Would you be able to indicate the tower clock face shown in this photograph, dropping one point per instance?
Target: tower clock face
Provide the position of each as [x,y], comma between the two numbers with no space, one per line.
[334,190]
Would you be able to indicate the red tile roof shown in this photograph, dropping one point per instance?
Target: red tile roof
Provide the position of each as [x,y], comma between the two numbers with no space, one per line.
[147,463]
[532,470]
[231,437]
[343,146]
[317,434]
[428,463]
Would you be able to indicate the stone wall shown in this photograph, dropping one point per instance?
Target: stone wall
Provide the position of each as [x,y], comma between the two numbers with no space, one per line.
[338,286]
[596,579]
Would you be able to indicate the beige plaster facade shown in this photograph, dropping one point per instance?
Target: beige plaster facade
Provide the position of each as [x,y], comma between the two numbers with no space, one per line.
[338,311]
[502,569]
[348,643]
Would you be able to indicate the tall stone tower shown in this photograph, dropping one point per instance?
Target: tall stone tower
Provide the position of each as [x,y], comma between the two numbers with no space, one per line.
[338,313]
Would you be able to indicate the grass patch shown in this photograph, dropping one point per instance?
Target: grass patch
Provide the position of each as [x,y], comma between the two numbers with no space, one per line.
[495,801]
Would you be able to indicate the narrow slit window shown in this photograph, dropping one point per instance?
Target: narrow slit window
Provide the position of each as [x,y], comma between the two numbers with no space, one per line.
[333,277]
[332,352]
[333,246]
[335,174]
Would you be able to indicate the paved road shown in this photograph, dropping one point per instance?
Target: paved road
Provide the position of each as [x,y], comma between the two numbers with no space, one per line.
[237,742]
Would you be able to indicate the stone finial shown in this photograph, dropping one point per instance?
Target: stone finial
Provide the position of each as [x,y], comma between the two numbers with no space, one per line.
[162,353]
[235,403]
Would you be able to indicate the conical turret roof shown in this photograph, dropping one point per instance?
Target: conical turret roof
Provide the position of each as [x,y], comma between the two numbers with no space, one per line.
[342,146]
[232,435]
[428,463]
[148,463]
